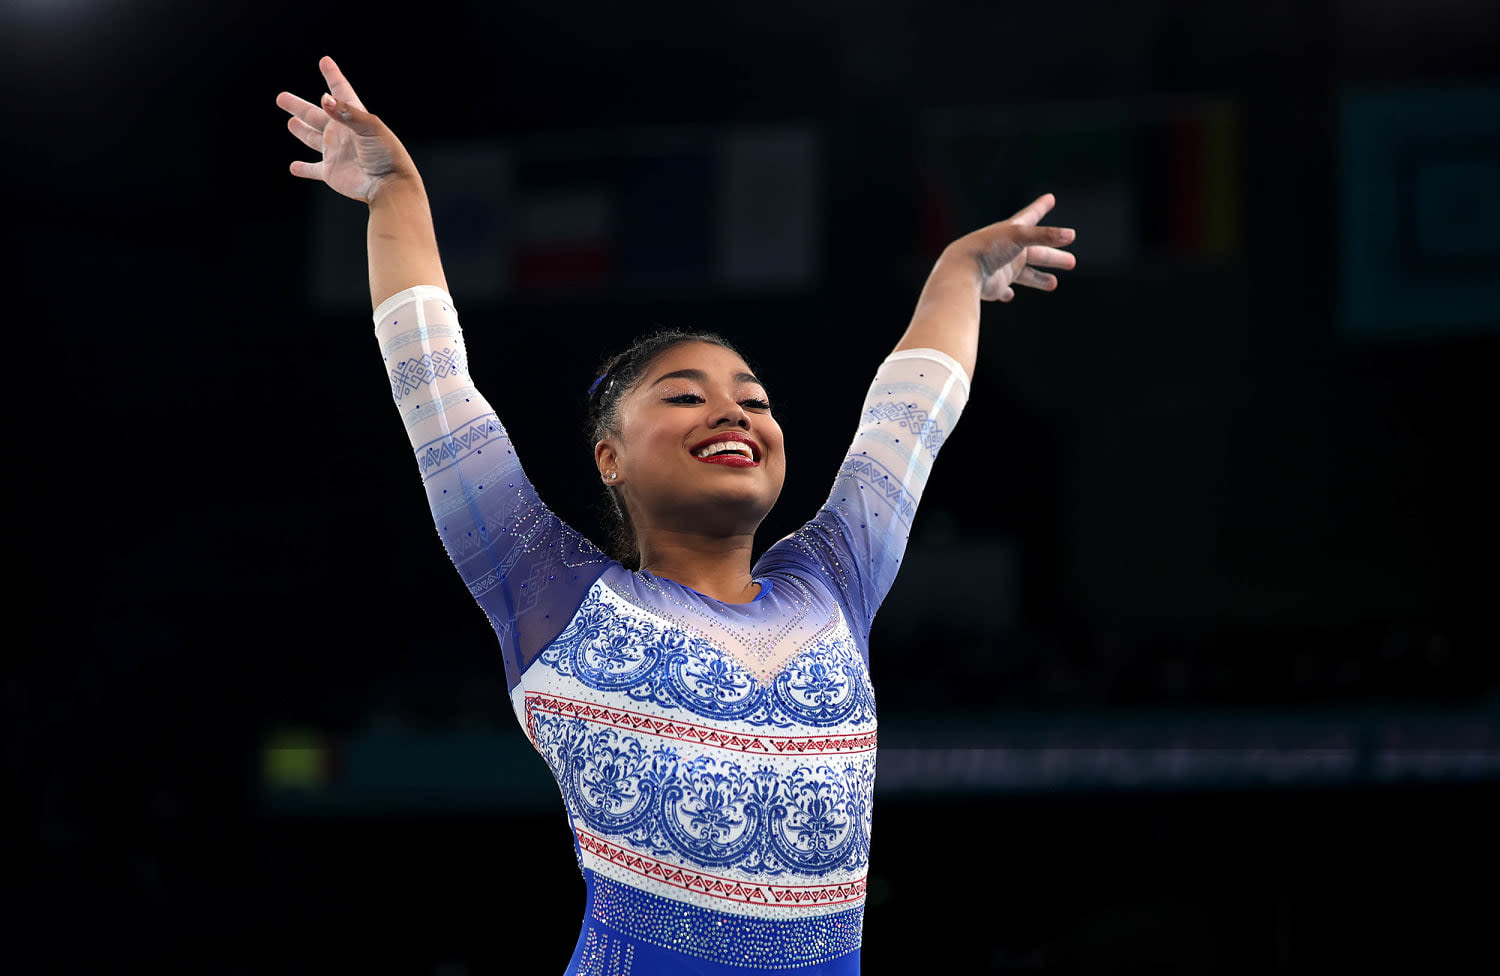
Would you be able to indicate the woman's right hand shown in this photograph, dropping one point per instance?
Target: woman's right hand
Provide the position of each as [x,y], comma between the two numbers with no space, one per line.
[361,155]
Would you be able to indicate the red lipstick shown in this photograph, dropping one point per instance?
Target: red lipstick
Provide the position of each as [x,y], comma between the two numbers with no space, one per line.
[732,458]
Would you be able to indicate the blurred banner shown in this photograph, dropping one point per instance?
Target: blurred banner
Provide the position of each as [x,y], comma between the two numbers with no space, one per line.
[1419,213]
[395,769]
[651,213]
[1152,180]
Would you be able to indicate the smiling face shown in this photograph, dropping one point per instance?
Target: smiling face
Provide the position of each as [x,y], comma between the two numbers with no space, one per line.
[696,449]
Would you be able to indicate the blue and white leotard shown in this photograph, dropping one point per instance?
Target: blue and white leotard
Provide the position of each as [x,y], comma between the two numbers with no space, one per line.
[717,760]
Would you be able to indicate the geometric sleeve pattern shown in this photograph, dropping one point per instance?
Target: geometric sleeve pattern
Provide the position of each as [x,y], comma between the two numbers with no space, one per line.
[857,539]
[527,570]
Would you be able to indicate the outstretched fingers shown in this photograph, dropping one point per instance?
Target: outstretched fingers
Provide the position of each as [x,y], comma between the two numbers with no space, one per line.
[301,108]
[338,85]
[306,170]
[310,137]
[1049,237]
[1032,278]
[1013,252]
[307,123]
[1042,243]
[1042,256]
[1034,211]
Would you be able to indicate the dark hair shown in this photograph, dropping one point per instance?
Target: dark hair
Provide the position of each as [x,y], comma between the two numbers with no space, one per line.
[616,377]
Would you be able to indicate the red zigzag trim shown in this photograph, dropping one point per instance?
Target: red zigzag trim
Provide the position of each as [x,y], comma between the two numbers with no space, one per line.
[769,745]
[732,889]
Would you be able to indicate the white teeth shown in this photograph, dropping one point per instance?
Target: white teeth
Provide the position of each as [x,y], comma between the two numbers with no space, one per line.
[718,446]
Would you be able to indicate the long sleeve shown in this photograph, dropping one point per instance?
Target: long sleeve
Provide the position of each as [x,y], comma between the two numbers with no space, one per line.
[525,568]
[859,536]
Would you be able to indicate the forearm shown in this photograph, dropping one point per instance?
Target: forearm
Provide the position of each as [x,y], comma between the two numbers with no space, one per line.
[947,313]
[402,244]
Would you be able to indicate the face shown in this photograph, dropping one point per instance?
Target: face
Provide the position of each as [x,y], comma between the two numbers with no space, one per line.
[697,449]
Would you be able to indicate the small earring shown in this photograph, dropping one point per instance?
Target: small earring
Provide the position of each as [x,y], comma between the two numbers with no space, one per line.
[612,476]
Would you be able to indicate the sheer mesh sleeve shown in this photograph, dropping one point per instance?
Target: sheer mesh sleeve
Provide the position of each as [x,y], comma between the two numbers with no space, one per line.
[858,537]
[527,570]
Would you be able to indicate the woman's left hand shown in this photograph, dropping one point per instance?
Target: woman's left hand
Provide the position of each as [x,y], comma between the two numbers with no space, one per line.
[1011,252]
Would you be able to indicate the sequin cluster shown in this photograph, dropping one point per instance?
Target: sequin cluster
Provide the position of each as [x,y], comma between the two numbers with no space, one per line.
[758,639]
[719,937]
[602,956]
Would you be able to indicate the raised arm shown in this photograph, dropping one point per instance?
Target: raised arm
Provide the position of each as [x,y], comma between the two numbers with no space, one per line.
[525,568]
[859,536]
[363,160]
[983,266]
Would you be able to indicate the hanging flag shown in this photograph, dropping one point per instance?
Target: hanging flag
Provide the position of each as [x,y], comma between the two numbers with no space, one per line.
[1190,179]
[471,213]
[1149,181]
[564,238]
[657,213]
[668,212]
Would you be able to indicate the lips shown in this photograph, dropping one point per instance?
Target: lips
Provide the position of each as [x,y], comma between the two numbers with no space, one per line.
[723,449]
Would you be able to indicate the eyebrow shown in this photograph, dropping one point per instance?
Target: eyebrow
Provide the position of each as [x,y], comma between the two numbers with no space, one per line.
[699,376]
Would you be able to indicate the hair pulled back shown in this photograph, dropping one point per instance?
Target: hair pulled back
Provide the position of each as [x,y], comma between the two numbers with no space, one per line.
[618,375]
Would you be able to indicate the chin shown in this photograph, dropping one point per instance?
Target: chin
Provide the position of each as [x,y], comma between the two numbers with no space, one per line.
[729,510]
[748,507]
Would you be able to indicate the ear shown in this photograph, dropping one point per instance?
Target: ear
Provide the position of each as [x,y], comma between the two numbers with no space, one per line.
[607,460]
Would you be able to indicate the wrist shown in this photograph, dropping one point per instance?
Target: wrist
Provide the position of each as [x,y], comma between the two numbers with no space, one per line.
[958,265]
[397,187]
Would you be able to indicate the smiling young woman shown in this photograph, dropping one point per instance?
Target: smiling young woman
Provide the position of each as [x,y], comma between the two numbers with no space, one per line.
[693,458]
[710,723]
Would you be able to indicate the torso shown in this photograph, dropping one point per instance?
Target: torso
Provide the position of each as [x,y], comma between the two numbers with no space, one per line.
[717,761]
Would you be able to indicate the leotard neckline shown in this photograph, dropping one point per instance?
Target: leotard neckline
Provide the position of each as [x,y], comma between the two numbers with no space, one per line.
[764,581]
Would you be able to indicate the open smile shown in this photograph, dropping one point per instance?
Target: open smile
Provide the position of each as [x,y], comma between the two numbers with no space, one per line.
[733,449]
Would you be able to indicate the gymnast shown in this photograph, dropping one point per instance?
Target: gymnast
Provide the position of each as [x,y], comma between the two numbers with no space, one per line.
[710,721]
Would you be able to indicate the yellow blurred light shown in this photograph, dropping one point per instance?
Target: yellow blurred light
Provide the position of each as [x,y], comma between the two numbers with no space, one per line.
[295,759]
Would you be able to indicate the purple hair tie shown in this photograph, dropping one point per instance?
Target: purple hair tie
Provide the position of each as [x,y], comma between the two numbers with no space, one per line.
[597,382]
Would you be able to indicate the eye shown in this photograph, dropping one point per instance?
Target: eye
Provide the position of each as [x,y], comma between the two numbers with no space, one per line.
[683,398]
[755,404]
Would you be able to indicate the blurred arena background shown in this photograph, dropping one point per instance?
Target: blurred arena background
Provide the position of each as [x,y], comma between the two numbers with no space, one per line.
[1195,644]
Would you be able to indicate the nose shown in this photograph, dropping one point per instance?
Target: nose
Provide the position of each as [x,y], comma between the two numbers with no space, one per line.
[729,413]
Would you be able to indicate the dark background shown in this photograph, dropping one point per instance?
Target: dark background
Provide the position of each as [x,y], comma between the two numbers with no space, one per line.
[1186,491]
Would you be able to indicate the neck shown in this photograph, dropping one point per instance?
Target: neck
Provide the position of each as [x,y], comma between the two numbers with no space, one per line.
[716,567]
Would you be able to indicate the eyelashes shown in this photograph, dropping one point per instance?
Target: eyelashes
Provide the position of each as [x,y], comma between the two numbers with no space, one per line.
[693,398]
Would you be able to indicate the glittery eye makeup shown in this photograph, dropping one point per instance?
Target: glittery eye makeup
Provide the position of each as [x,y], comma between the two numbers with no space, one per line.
[751,402]
[751,394]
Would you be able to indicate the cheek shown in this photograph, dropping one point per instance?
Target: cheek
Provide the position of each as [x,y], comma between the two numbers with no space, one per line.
[665,441]
[778,447]
[777,441]
[653,446]
[645,437]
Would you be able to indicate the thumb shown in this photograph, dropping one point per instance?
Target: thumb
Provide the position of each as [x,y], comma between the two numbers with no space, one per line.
[1034,211]
[353,116]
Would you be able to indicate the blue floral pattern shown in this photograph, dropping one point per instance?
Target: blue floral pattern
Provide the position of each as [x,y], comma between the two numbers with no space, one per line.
[710,812]
[714,810]
[609,649]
